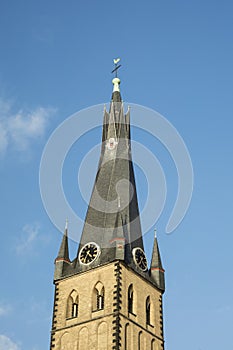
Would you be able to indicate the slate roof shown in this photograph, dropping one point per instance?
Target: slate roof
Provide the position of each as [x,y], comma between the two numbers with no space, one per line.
[156,268]
[114,182]
[63,253]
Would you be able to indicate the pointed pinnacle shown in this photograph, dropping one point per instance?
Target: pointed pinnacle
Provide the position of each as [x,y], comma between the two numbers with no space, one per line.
[66,225]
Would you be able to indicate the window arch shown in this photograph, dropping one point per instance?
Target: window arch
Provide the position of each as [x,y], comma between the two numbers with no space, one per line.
[127,337]
[148,310]
[140,340]
[98,297]
[152,344]
[83,339]
[72,305]
[130,299]
[102,336]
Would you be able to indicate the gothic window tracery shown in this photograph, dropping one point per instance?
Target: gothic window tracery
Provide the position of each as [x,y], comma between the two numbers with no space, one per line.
[98,297]
[72,305]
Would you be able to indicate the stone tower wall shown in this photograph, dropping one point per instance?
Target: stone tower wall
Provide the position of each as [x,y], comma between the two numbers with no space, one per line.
[112,327]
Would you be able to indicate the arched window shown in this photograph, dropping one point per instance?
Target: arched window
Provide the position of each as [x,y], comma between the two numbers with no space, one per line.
[83,339]
[152,344]
[102,336]
[130,299]
[98,297]
[148,310]
[127,337]
[72,305]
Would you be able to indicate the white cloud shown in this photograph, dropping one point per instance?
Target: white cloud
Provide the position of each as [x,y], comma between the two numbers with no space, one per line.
[5,106]
[4,309]
[7,344]
[30,239]
[19,129]
[3,139]
[29,234]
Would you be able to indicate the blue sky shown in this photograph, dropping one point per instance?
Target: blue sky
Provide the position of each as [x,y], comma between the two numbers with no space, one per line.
[56,59]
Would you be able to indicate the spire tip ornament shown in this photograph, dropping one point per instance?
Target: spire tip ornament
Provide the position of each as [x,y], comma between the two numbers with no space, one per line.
[117,66]
[119,202]
[116,60]
[116,81]
[66,225]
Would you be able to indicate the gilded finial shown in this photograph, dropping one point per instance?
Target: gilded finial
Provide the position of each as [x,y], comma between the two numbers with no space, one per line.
[116,81]
[117,66]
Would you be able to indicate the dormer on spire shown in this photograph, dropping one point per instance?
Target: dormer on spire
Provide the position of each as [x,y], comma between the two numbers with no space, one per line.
[118,238]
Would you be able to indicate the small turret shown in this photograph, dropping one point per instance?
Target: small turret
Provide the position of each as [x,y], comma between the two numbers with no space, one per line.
[62,260]
[156,269]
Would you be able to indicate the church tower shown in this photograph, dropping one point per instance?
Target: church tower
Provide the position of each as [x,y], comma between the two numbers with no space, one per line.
[109,297]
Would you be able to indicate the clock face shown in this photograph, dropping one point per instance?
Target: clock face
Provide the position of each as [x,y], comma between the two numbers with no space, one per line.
[140,258]
[111,144]
[89,253]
